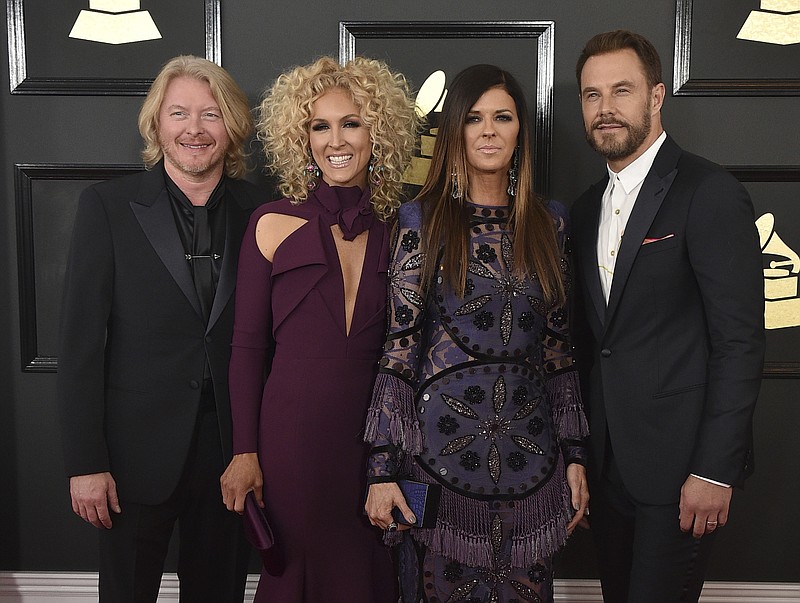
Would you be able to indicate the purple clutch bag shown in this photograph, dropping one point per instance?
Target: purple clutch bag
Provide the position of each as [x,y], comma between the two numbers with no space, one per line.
[259,533]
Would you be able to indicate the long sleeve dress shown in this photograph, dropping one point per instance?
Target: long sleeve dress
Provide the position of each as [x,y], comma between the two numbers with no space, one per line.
[306,419]
[478,394]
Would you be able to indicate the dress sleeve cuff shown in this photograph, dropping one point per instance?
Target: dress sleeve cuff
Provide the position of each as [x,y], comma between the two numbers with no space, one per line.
[393,402]
[564,395]
[574,451]
[384,464]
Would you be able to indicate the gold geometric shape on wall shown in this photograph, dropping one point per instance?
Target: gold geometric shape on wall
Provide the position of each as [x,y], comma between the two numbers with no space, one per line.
[781,277]
[115,22]
[778,22]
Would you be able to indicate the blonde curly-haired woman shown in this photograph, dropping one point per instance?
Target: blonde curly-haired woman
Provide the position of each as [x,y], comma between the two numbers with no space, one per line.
[311,295]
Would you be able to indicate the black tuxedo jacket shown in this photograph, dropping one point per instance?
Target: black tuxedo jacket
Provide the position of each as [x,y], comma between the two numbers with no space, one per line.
[672,364]
[133,342]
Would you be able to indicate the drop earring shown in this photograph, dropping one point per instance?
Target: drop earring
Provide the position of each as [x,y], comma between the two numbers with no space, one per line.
[313,174]
[456,193]
[375,178]
[513,174]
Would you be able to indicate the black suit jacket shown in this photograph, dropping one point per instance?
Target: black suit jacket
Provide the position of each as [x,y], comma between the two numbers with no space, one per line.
[133,343]
[672,364]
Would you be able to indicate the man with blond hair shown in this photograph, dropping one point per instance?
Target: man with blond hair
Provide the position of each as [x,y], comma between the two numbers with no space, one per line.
[146,326]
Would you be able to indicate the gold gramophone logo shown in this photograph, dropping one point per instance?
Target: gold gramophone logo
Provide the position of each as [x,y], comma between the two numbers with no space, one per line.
[778,22]
[115,22]
[782,265]
[429,102]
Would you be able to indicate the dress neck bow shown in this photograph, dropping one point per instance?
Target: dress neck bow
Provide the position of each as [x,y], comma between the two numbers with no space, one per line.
[347,206]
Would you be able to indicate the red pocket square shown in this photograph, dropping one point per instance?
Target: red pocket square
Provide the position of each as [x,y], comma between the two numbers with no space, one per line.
[655,240]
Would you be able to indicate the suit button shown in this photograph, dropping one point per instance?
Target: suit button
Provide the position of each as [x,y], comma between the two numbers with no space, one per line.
[194,384]
[208,338]
[605,352]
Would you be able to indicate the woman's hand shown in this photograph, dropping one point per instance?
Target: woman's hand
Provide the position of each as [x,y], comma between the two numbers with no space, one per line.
[579,489]
[242,475]
[381,499]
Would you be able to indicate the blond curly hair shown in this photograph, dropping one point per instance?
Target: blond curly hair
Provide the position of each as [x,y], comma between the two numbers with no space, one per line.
[386,108]
[232,102]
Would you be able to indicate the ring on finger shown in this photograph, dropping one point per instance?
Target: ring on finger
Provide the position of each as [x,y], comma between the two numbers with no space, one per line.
[392,527]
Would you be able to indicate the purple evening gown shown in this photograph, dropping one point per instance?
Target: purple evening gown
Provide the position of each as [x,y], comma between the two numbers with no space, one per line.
[306,421]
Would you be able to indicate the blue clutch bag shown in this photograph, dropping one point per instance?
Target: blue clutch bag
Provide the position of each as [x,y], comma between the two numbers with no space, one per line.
[423,499]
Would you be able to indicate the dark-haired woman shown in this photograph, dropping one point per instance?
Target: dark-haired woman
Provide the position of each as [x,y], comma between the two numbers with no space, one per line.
[477,392]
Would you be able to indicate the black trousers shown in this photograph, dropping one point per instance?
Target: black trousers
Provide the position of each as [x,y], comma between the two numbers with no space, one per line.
[642,554]
[213,554]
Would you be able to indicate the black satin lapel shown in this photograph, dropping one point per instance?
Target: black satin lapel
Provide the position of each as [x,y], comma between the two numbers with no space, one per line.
[235,224]
[158,224]
[648,202]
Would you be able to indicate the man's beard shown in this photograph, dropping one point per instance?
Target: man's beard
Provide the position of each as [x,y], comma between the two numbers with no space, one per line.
[613,149]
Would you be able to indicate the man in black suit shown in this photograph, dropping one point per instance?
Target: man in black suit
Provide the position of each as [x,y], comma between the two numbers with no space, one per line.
[669,326]
[145,340]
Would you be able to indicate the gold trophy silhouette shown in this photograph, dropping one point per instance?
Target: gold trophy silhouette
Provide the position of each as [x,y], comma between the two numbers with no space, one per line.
[429,101]
[778,22]
[115,22]
[781,291]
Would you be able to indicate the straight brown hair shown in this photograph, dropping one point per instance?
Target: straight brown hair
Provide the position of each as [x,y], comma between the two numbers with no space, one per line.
[446,221]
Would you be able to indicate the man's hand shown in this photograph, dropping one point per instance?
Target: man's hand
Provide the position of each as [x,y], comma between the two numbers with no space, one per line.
[92,496]
[576,480]
[242,475]
[704,506]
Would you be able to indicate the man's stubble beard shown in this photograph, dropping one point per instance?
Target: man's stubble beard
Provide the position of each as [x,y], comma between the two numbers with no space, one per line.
[614,150]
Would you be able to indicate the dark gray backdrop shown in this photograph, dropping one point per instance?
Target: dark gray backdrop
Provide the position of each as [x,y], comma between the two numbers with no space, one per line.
[259,39]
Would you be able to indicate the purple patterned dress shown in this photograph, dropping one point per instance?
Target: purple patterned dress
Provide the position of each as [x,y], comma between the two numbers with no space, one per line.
[478,394]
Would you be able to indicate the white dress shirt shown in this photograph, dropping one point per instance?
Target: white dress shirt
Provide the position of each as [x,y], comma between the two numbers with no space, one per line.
[618,200]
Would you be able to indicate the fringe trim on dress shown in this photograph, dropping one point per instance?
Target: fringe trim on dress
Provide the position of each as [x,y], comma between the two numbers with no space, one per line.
[463,527]
[394,399]
[564,397]
[540,521]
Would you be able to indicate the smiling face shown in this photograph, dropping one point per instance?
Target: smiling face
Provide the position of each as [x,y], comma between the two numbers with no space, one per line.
[621,112]
[490,133]
[339,140]
[191,131]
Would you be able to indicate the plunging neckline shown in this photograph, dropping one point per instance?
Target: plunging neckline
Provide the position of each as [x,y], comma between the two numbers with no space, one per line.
[349,215]
[339,244]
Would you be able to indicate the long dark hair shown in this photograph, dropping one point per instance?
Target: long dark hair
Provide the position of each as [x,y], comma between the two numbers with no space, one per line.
[446,223]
